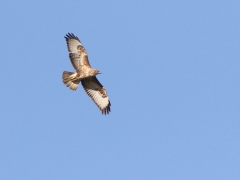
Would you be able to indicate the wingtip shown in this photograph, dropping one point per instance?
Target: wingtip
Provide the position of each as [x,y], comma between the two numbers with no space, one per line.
[71,36]
[107,109]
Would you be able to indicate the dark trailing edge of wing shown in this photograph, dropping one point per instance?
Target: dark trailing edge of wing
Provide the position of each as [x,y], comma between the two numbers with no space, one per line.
[107,109]
[71,36]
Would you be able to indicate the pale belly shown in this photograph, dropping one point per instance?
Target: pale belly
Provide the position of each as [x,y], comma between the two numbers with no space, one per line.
[80,75]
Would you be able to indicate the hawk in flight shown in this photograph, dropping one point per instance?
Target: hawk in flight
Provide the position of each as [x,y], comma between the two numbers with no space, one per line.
[84,74]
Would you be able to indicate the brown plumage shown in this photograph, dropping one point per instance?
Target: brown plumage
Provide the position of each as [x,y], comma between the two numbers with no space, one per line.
[85,74]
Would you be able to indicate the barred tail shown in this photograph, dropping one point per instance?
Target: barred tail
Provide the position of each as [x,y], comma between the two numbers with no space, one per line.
[67,80]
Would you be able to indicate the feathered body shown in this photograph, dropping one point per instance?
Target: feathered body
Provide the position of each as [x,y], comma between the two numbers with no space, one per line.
[84,74]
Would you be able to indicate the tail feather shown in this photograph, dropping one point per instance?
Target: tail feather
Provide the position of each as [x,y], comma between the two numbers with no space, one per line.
[67,80]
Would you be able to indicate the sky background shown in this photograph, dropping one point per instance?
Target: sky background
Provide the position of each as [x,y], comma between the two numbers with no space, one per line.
[171,69]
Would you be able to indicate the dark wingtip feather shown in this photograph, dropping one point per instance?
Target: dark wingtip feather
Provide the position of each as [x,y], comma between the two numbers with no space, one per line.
[70,36]
[107,109]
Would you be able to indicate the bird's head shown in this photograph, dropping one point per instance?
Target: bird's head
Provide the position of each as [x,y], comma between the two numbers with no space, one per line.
[95,72]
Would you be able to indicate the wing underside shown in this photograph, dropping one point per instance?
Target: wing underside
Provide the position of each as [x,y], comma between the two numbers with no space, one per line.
[97,93]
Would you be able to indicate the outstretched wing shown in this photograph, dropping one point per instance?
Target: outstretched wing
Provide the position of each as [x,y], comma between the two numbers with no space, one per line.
[97,92]
[78,54]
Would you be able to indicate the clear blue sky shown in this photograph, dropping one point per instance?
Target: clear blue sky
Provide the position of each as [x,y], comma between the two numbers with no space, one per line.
[171,70]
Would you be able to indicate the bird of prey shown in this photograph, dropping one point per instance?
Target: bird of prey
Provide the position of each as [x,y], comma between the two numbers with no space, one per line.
[84,74]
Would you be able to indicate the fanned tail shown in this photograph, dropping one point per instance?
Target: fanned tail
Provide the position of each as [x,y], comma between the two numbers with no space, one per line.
[67,80]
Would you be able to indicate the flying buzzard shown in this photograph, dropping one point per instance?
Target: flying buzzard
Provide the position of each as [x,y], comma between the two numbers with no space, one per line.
[84,74]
